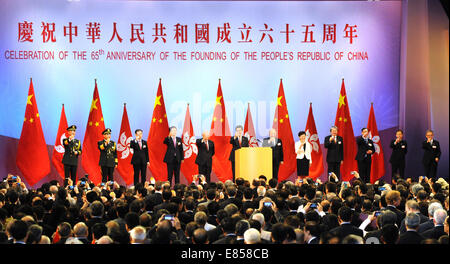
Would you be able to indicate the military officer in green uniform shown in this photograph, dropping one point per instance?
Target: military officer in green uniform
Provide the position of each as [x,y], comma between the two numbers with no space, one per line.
[72,149]
[108,155]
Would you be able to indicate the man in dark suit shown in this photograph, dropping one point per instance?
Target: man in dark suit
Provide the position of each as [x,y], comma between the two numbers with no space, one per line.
[335,153]
[174,155]
[140,157]
[364,154]
[237,141]
[411,236]
[108,155]
[438,230]
[412,206]
[277,151]
[228,226]
[311,232]
[393,200]
[72,150]
[431,155]
[399,149]
[204,157]
[345,228]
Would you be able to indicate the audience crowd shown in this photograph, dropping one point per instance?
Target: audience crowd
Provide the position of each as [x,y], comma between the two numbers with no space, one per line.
[258,212]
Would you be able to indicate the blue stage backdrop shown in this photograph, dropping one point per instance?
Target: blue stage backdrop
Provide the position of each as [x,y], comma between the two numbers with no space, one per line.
[128,45]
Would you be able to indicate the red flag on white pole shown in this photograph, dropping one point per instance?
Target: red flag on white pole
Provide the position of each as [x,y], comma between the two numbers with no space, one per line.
[316,168]
[188,167]
[124,152]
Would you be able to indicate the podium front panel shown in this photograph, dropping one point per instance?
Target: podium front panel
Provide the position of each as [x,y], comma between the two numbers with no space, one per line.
[250,163]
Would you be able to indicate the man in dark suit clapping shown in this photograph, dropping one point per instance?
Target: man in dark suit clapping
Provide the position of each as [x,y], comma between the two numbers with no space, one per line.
[204,156]
[140,157]
[174,155]
[277,151]
[335,153]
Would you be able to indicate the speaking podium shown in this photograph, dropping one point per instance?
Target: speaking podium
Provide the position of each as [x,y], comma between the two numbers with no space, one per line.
[250,163]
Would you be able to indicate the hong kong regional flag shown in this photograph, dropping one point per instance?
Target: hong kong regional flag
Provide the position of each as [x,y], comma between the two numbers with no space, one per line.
[220,135]
[377,169]
[282,125]
[58,149]
[32,155]
[94,128]
[188,167]
[124,152]
[249,129]
[159,129]
[345,130]
[316,168]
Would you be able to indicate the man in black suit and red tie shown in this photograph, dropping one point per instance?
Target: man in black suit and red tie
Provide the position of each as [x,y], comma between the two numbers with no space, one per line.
[238,141]
[204,156]
[174,155]
[335,153]
[399,150]
[140,159]
[277,151]
[364,154]
[431,154]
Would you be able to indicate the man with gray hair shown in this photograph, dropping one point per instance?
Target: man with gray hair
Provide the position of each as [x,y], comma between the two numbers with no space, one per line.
[201,219]
[252,236]
[277,151]
[335,153]
[416,188]
[105,240]
[205,153]
[138,235]
[430,224]
[438,230]
[81,231]
[412,206]
[266,235]
[411,236]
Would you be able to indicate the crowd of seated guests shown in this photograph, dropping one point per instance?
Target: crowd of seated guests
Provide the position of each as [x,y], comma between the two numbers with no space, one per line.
[243,212]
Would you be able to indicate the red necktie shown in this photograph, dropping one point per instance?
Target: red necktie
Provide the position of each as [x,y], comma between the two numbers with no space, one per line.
[174,142]
[239,141]
[140,144]
[207,146]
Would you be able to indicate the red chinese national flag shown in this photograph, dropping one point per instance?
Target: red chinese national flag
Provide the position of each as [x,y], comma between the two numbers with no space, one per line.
[282,125]
[58,149]
[316,168]
[377,169]
[32,155]
[220,135]
[124,153]
[159,129]
[249,129]
[188,167]
[345,130]
[94,128]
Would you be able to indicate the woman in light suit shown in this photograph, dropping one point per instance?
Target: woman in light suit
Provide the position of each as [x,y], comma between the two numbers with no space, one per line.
[303,149]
